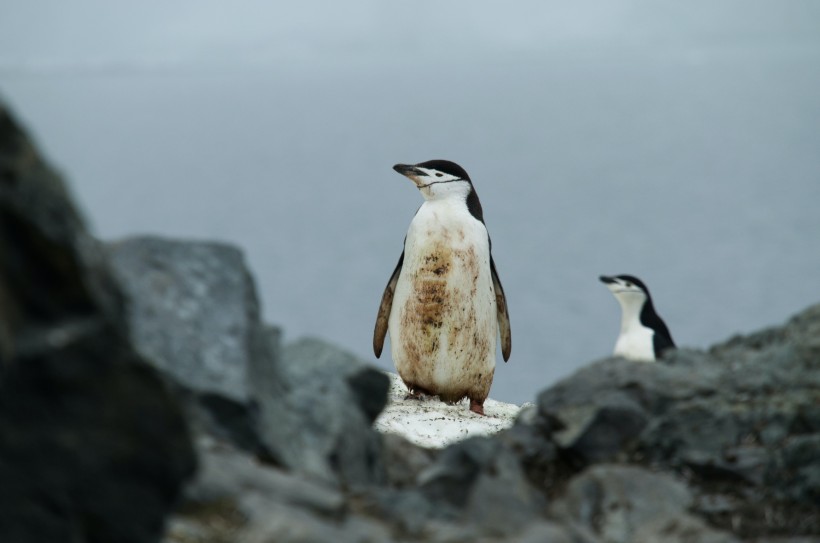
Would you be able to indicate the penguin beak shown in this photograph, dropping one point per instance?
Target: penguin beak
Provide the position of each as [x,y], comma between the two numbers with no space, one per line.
[411,172]
[407,169]
[607,280]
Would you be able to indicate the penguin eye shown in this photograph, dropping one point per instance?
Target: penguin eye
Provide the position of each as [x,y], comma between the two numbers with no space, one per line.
[439,174]
[628,284]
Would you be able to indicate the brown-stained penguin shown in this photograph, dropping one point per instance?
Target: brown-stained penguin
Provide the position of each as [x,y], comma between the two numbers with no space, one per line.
[444,305]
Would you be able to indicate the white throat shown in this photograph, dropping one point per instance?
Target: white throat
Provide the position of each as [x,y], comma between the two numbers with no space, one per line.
[456,190]
[636,341]
[631,306]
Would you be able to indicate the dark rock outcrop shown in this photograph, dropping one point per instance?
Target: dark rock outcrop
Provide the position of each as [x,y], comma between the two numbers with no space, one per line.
[473,478]
[234,494]
[87,429]
[321,423]
[307,407]
[741,423]
[193,312]
[622,504]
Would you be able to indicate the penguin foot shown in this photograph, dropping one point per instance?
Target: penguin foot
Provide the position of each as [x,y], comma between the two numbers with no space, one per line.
[417,393]
[477,407]
[414,396]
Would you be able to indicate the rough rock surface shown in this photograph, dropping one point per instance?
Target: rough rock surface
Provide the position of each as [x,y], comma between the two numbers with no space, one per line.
[321,424]
[621,504]
[193,311]
[87,429]
[741,423]
[307,406]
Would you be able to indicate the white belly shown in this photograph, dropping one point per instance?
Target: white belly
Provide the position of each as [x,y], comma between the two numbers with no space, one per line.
[636,344]
[443,320]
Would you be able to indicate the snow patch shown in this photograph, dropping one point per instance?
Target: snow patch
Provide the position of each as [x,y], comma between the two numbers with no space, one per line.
[435,424]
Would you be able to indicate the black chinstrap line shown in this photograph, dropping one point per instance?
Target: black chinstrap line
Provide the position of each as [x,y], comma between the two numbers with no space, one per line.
[437,182]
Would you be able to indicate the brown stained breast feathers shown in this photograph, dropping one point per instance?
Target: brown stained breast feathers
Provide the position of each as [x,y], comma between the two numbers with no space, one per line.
[424,314]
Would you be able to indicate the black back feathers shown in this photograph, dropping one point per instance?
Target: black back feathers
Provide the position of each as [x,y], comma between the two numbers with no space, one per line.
[662,339]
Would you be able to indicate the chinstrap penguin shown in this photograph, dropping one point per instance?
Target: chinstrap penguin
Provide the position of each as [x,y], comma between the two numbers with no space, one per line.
[444,305]
[644,336]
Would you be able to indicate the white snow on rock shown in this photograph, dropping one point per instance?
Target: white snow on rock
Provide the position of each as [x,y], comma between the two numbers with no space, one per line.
[435,424]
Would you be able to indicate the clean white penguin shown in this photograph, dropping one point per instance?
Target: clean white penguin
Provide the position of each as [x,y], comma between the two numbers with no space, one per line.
[444,305]
[644,336]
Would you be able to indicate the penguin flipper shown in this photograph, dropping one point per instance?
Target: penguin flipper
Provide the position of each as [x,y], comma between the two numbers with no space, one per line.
[384,309]
[662,341]
[503,315]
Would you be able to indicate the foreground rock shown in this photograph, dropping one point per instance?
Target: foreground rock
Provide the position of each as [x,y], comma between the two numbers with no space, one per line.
[87,429]
[322,423]
[193,312]
[307,407]
[741,424]
[624,504]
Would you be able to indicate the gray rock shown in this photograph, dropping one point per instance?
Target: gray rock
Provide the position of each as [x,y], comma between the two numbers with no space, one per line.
[93,447]
[623,504]
[599,413]
[234,495]
[308,408]
[680,529]
[531,442]
[407,510]
[227,473]
[599,432]
[743,420]
[482,481]
[192,311]
[475,490]
[550,532]
[798,463]
[265,373]
[289,525]
[320,424]
[404,461]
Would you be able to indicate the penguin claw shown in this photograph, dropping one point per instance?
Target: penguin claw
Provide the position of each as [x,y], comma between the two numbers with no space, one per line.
[416,394]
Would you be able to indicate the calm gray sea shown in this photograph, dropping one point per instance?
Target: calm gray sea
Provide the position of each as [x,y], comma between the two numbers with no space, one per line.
[692,162]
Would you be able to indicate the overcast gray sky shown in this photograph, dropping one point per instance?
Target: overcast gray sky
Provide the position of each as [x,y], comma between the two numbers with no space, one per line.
[44,34]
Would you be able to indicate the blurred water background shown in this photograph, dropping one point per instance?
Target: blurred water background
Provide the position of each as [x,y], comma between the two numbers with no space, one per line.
[679,142]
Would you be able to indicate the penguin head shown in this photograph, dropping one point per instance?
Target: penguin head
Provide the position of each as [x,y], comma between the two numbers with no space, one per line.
[438,179]
[627,289]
